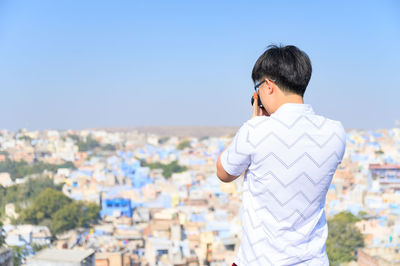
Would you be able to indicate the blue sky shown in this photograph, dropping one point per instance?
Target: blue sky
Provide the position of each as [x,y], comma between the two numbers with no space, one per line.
[83,64]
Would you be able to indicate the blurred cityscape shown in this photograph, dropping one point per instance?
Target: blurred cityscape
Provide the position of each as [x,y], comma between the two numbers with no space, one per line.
[100,197]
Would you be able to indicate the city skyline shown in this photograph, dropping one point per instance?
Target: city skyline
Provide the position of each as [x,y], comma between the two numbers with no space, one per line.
[75,65]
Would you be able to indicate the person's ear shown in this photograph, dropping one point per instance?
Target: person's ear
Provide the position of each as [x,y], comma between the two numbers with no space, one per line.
[270,88]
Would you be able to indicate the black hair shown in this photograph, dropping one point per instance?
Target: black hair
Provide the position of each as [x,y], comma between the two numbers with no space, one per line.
[289,66]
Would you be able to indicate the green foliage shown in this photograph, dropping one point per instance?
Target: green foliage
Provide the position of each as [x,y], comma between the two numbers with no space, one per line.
[4,153]
[76,138]
[19,169]
[33,187]
[47,205]
[168,169]
[183,144]
[163,140]
[108,147]
[19,253]
[362,215]
[16,169]
[203,138]
[2,236]
[27,138]
[74,214]
[173,167]
[19,194]
[60,213]
[36,247]
[44,206]
[88,145]
[344,238]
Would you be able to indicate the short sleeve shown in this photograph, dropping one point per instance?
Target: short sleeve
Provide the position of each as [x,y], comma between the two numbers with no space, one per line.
[237,157]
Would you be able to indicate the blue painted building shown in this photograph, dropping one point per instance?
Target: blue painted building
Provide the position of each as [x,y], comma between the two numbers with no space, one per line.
[116,207]
[388,176]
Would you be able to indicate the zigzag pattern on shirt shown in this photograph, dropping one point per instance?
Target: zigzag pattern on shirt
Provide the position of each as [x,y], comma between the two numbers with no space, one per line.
[289,146]
[275,217]
[279,249]
[275,206]
[237,152]
[301,215]
[283,203]
[305,154]
[290,182]
[289,230]
[298,119]
[246,211]
[256,258]
[292,125]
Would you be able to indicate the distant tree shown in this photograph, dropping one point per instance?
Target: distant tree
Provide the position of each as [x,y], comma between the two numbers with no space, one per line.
[19,169]
[40,201]
[2,236]
[183,144]
[343,238]
[108,147]
[91,212]
[16,169]
[19,194]
[60,213]
[19,252]
[4,153]
[74,137]
[27,138]
[203,138]
[74,214]
[33,187]
[37,247]
[89,144]
[44,206]
[66,218]
[168,169]
[173,167]
[163,140]
[362,215]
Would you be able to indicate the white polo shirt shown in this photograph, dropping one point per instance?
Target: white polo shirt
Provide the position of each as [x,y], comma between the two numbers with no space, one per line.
[290,158]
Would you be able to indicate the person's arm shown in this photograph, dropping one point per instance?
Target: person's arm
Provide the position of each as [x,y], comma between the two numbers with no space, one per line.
[236,157]
[221,173]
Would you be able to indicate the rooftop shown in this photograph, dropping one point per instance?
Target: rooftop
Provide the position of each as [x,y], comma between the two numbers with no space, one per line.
[64,255]
[384,166]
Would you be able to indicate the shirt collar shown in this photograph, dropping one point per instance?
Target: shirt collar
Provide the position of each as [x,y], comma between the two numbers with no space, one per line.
[302,108]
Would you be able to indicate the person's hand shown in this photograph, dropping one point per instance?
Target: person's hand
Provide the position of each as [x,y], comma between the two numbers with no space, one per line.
[257,111]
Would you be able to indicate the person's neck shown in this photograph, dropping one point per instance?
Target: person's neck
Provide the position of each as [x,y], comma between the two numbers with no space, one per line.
[292,98]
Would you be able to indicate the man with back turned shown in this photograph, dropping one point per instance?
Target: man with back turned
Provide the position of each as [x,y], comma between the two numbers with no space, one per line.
[288,155]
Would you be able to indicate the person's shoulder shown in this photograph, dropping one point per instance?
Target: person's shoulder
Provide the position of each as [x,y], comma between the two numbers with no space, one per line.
[336,123]
[254,122]
[336,126]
